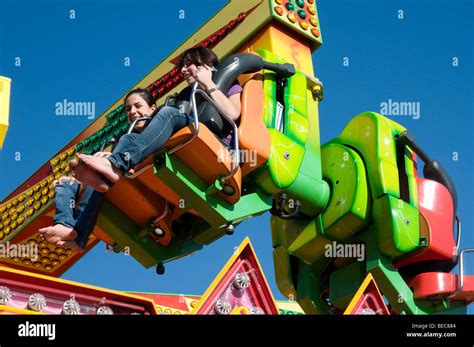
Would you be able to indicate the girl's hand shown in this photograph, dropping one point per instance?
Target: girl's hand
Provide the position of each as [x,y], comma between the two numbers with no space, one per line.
[203,75]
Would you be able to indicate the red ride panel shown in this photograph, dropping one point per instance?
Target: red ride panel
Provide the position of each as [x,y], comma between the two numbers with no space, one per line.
[436,205]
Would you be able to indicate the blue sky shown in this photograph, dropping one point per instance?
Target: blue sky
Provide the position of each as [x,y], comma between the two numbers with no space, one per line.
[82,59]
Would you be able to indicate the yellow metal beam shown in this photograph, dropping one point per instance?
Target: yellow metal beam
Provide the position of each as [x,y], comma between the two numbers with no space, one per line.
[4,107]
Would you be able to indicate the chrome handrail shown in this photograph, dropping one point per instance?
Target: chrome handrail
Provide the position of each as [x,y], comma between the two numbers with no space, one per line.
[458,234]
[105,143]
[196,121]
[236,136]
[196,132]
[163,215]
[461,270]
[139,172]
[132,125]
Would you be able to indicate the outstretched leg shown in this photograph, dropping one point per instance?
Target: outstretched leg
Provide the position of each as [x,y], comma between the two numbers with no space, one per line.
[88,176]
[134,148]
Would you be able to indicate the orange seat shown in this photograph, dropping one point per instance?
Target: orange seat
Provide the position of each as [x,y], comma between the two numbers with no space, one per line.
[441,284]
[206,155]
[254,137]
[142,206]
[209,158]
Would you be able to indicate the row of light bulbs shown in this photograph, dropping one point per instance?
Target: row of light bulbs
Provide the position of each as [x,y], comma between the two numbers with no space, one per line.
[37,302]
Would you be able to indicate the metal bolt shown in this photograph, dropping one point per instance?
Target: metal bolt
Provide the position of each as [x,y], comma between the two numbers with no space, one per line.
[159,232]
[229,230]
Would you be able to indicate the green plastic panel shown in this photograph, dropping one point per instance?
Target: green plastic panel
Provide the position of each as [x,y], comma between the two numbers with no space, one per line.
[283,274]
[310,244]
[285,159]
[295,93]
[294,166]
[213,209]
[348,210]
[397,225]
[412,183]
[373,135]
[296,126]
[295,96]
[126,234]
[344,282]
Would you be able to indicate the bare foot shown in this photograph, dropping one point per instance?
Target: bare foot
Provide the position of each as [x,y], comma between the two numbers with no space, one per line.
[57,233]
[103,166]
[70,244]
[88,176]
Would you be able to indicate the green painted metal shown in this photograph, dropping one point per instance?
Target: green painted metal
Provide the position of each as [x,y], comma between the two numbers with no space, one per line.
[283,164]
[398,226]
[348,210]
[310,243]
[344,282]
[296,126]
[295,97]
[395,289]
[309,187]
[269,92]
[411,175]
[144,249]
[309,290]
[294,166]
[283,272]
[373,136]
[213,209]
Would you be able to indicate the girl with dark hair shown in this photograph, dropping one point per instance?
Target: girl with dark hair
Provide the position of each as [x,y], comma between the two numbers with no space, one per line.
[72,226]
[195,65]
[77,205]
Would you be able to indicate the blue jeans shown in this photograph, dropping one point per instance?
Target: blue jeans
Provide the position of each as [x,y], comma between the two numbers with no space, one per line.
[81,217]
[131,150]
[134,148]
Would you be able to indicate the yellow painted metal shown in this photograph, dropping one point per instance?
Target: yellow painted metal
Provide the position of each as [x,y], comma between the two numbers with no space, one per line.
[282,43]
[360,292]
[240,310]
[5,85]
[4,309]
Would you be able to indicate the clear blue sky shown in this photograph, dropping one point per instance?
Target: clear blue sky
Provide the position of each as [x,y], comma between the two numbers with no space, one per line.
[82,60]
